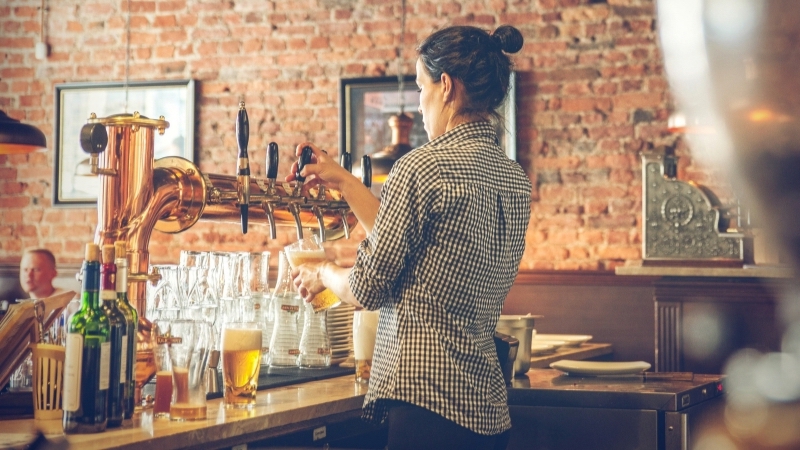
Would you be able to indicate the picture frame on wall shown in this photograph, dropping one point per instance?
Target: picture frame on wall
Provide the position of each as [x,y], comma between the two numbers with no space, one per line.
[74,184]
[367,103]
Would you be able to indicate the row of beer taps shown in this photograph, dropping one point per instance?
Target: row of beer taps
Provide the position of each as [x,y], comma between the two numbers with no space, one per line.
[270,198]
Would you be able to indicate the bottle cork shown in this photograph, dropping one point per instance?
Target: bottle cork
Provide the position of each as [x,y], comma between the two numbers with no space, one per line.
[108,253]
[120,248]
[92,252]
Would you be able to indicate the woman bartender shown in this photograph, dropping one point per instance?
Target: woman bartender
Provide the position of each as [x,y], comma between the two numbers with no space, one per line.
[442,250]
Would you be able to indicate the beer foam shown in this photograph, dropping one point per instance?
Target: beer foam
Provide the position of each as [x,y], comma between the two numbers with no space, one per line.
[299,257]
[237,339]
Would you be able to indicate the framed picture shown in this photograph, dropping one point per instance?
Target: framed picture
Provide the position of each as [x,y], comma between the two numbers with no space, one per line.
[174,99]
[367,103]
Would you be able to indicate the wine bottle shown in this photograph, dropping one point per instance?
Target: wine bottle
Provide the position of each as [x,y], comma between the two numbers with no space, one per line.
[132,321]
[117,328]
[88,353]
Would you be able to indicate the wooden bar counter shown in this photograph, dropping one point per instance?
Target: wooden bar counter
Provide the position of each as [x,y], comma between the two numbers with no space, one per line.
[277,412]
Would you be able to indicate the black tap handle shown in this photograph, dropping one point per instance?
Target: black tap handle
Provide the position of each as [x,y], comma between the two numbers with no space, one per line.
[346,161]
[243,164]
[242,131]
[272,161]
[305,158]
[366,171]
[94,138]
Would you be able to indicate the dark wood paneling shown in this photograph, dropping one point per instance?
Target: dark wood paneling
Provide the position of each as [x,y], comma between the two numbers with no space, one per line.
[613,309]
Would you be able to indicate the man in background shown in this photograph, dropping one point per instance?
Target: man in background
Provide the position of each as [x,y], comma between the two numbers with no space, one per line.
[36,273]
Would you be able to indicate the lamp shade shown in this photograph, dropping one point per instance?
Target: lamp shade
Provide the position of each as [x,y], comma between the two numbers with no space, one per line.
[17,137]
[383,160]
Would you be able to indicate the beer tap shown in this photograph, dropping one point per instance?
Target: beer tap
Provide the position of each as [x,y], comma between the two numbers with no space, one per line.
[243,173]
[366,171]
[270,194]
[346,161]
[297,193]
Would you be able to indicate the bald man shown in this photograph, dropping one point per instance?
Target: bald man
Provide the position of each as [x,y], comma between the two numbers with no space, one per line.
[36,273]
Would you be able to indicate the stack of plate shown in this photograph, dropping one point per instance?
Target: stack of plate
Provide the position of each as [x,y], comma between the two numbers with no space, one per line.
[340,332]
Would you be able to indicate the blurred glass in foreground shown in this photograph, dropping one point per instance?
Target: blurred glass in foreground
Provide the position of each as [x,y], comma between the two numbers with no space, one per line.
[734,69]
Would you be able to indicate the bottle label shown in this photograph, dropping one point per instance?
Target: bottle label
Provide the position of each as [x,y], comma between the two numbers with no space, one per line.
[123,361]
[290,308]
[107,294]
[72,372]
[105,365]
[294,351]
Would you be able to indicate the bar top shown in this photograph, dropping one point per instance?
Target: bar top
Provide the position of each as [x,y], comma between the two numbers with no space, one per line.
[277,411]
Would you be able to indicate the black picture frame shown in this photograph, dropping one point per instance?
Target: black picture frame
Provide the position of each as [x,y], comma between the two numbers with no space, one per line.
[364,128]
[73,184]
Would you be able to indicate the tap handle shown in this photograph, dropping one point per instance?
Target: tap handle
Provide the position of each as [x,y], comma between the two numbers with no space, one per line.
[242,131]
[243,164]
[346,161]
[94,138]
[305,158]
[272,161]
[366,171]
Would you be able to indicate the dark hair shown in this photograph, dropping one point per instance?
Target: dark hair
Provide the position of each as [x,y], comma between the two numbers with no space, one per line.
[48,255]
[477,59]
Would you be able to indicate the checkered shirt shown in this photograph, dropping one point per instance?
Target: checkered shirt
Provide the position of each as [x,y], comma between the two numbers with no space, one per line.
[439,262]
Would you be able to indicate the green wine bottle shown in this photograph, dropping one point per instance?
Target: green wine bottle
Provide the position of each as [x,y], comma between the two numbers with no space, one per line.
[132,321]
[117,327]
[88,353]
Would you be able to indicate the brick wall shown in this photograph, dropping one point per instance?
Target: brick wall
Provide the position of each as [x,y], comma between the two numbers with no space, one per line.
[591,95]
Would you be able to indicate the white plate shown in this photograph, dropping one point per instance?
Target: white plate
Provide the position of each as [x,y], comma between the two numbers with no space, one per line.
[600,367]
[538,349]
[572,340]
[556,344]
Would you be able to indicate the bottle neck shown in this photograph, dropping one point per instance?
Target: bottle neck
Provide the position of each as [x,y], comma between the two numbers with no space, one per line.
[91,284]
[122,277]
[108,287]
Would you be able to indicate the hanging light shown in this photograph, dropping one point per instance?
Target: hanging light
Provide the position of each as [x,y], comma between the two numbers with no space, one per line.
[17,137]
[400,123]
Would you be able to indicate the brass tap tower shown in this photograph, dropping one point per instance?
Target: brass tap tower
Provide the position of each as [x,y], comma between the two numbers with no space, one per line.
[139,194]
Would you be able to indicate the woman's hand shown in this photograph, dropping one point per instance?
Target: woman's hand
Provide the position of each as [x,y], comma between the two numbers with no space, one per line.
[326,171]
[323,170]
[308,279]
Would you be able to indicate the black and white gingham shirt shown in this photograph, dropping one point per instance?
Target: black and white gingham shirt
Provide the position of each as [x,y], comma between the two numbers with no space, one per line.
[439,263]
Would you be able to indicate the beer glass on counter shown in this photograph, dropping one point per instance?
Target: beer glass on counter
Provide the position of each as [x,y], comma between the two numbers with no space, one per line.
[241,361]
[365,329]
[161,338]
[189,348]
[307,251]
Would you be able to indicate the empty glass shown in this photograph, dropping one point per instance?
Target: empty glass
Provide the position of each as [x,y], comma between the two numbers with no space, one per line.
[163,299]
[260,298]
[284,346]
[315,346]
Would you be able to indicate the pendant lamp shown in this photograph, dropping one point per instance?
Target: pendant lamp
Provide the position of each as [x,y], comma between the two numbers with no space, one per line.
[400,123]
[17,137]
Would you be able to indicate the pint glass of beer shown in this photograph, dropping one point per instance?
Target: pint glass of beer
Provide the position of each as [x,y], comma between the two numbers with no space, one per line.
[241,361]
[365,329]
[307,251]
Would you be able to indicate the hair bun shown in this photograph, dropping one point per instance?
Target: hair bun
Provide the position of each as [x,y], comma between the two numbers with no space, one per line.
[508,38]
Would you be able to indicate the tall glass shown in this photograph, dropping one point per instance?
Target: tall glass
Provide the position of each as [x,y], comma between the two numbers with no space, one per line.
[365,329]
[241,361]
[261,299]
[189,348]
[308,251]
[161,337]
